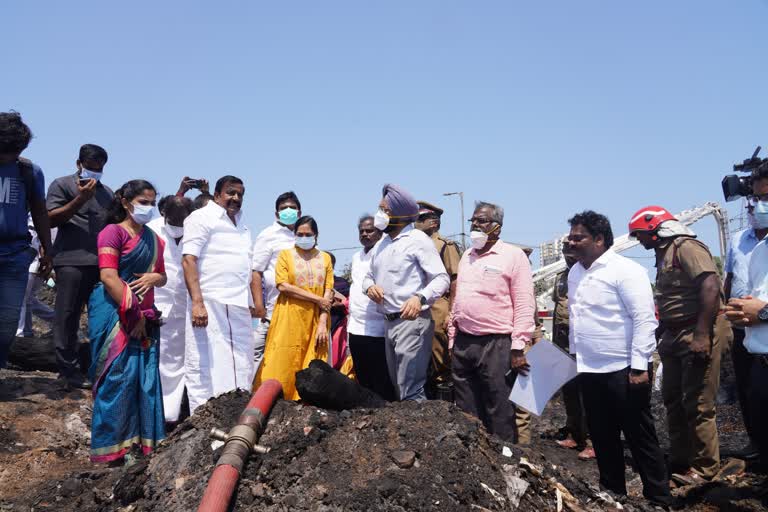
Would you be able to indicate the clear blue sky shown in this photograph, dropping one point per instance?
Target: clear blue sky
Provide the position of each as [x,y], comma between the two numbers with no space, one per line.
[546,108]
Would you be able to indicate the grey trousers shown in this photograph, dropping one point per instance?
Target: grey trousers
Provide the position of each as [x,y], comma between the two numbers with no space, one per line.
[260,333]
[408,348]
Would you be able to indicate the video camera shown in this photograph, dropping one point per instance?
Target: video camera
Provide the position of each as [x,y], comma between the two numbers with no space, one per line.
[735,186]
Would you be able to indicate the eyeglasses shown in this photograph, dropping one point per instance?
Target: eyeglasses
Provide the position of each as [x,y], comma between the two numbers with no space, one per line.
[480,221]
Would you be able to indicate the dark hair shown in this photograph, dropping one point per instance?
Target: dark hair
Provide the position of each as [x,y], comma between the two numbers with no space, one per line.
[306,220]
[176,204]
[201,200]
[14,134]
[287,196]
[333,258]
[116,213]
[170,202]
[93,153]
[595,224]
[161,204]
[224,180]
[363,218]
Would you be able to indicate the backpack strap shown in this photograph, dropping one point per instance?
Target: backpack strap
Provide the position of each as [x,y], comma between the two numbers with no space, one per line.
[27,177]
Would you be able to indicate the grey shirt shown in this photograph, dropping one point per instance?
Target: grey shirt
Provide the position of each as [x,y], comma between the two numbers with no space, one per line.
[75,243]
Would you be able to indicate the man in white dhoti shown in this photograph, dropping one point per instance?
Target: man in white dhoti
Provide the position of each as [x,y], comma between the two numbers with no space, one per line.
[217,254]
[171,300]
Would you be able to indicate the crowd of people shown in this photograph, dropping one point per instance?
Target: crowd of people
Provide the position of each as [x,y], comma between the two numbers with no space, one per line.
[190,304]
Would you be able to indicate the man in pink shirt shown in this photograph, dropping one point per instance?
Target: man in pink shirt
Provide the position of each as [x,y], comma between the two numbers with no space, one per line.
[491,323]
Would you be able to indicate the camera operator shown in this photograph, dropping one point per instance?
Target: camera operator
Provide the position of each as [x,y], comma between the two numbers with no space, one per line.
[736,285]
[751,311]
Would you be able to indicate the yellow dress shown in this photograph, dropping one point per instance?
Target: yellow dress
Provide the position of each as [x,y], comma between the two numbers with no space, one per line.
[292,338]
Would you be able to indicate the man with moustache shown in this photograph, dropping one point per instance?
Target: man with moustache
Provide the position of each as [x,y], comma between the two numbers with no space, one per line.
[366,323]
[217,254]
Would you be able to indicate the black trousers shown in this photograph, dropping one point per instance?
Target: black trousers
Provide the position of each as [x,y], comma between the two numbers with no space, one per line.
[758,401]
[482,381]
[73,288]
[742,366]
[613,407]
[370,361]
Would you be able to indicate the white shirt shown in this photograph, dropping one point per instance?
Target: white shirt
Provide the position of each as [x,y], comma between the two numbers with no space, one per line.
[266,248]
[756,338]
[364,316]
[405,266]
[171,298]
[612,315]
[224,253]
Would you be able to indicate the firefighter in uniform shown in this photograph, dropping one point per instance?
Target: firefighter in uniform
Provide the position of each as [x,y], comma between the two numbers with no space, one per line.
[576,420]
[692,334]
[439,378]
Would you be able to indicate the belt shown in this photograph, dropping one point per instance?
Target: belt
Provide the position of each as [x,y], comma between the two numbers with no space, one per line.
[391,317]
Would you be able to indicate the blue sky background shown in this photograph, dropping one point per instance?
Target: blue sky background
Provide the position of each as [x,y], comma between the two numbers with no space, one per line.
[546,108]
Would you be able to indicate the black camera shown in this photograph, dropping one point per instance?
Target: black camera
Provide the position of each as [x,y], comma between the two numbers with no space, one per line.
[735,186]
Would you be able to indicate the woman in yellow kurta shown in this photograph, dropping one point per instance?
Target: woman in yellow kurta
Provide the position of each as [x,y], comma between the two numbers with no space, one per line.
[299,330]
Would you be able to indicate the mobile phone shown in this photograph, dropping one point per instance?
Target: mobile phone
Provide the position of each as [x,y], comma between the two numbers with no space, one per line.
[195,183]
[83,181]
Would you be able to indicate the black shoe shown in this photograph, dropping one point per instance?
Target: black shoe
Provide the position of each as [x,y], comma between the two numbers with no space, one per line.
[671,503]
[77,381]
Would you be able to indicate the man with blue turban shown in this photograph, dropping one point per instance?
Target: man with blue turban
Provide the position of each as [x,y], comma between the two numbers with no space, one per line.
[405,278]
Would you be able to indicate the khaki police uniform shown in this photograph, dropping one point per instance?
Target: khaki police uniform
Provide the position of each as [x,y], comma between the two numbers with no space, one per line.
[576,420]
[690,381]
[440,370]
[523,417]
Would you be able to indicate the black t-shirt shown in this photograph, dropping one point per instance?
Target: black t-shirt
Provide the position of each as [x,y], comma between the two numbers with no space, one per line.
[76,241]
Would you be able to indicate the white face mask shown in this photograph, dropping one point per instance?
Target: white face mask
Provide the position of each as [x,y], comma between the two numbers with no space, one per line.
[90,175]
[174,231]
[380,220]
[142,213]
[305,242]
[479,239]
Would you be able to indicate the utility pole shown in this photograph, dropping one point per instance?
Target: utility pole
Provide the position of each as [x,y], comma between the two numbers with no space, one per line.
[463,227]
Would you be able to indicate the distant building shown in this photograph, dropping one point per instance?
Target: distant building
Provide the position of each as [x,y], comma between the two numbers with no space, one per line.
[550,252]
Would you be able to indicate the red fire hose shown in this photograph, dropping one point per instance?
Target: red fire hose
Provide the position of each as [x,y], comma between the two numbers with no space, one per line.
[238,447]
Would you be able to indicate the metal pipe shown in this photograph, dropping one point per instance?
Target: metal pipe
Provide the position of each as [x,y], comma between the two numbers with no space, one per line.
[239,443]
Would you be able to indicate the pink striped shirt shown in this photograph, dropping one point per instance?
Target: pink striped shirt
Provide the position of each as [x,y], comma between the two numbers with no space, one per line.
[494,295]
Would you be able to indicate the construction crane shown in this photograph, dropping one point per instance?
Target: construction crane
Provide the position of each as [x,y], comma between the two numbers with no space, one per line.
[624,242]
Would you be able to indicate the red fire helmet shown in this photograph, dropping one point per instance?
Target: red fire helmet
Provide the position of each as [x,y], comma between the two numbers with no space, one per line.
[649,219]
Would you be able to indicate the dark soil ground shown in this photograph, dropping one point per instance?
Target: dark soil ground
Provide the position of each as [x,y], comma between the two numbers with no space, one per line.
[403,457]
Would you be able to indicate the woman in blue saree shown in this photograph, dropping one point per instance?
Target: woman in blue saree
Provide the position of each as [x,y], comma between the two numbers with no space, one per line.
[124,330]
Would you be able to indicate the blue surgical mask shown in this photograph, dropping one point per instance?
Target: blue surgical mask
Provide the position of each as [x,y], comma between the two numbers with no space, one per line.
[288,216]
[760,214]
[142,213]
[85,174]
[305,242]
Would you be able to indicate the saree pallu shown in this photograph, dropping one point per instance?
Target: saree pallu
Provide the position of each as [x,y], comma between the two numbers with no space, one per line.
[128,404]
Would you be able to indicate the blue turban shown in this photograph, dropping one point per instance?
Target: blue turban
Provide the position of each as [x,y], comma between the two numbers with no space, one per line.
[403,205]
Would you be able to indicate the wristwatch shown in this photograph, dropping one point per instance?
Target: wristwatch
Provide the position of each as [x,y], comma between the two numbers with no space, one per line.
[762,315]
[422,299]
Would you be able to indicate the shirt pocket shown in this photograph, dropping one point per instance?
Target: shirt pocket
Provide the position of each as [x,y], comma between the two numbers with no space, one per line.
[492,281]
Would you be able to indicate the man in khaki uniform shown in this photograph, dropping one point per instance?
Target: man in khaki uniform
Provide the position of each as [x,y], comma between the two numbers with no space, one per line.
[523,417]
[439,379]
[688,298]
[576,419]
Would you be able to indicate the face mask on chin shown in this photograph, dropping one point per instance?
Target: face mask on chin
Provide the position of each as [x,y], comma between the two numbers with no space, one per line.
[174,231]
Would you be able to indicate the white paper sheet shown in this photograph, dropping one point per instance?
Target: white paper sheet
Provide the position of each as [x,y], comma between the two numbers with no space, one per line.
[551,368]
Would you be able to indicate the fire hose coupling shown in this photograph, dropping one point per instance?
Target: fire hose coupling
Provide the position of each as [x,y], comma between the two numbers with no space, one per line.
[220,435]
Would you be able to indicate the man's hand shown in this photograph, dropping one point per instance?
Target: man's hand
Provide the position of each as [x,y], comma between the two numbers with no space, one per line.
[205,188]
[139,331]
[701,344]
[411,309]
[45,264]
[199,315]
[743,311]
[184,186]
[87,190]
[375,293]
[258,311]
[637,378]
[518,362]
